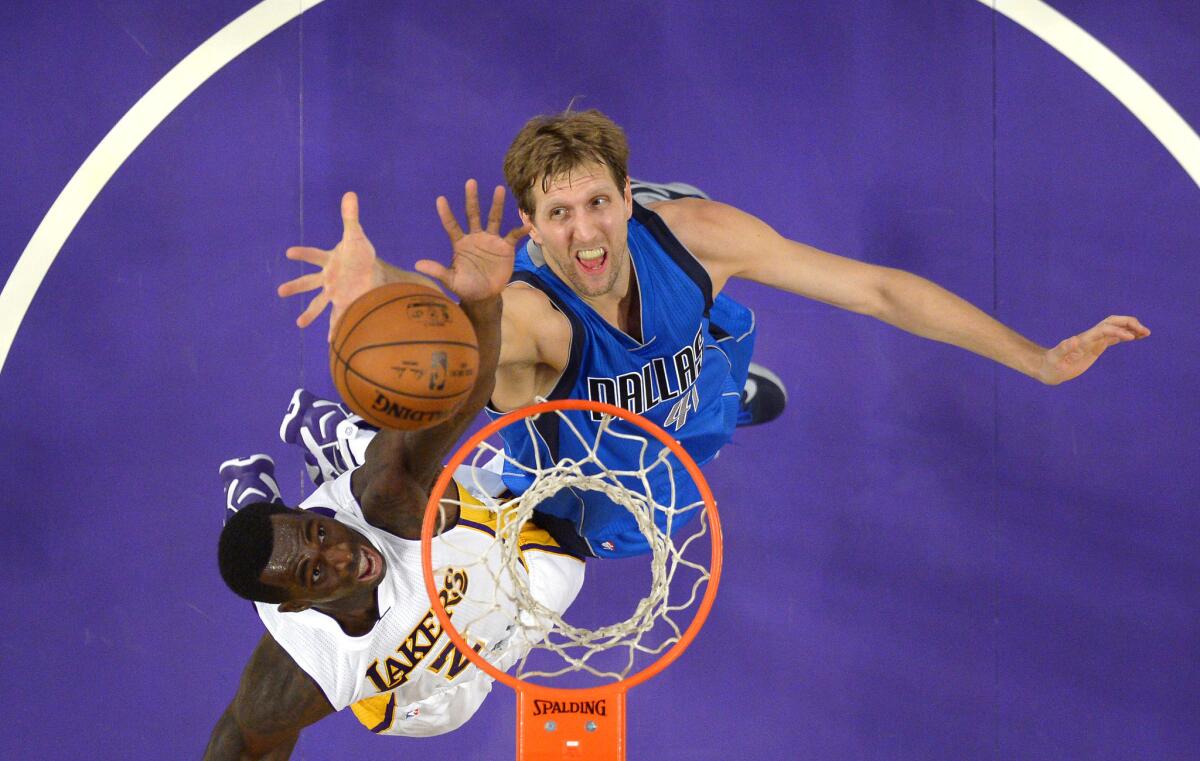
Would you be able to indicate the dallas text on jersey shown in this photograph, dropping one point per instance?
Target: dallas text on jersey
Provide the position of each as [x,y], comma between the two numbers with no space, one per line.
[654,383]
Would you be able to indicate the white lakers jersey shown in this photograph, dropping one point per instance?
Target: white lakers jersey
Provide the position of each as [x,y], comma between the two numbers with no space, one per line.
[405,677]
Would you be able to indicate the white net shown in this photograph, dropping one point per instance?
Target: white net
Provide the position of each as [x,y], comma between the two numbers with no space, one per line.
[542,642]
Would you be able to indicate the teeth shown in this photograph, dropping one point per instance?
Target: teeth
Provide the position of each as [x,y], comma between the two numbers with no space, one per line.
[590,254]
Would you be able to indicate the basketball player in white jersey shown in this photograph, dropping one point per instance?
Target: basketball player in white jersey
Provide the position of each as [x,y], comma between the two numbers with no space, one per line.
[338,582]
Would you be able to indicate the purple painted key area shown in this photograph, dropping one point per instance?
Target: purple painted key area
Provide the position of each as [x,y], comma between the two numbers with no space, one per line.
[929,557]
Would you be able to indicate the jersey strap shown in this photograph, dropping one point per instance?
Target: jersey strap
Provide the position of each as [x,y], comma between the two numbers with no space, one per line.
[679,254]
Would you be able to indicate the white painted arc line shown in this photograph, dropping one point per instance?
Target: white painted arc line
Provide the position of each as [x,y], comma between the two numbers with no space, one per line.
[1113,74]
[121,141]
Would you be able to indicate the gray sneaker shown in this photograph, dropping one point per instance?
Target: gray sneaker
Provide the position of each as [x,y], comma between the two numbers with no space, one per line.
[651,192]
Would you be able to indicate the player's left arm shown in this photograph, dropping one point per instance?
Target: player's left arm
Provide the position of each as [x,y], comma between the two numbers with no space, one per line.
[732,243]
[400,468]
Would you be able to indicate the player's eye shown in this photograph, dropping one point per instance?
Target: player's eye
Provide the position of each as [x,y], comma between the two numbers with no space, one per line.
[316,574]
[321,534]
[557,213]
[599,201]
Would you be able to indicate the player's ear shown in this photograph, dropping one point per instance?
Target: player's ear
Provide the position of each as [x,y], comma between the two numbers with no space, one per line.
[293,606]
[534,235]
[628,200]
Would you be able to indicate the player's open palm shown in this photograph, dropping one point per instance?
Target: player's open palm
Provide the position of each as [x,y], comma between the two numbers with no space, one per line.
[483,260]
[347,272]
[1076,354]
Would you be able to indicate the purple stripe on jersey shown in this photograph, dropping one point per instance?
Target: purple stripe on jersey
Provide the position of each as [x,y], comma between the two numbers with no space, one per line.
[387,715]
[481,526]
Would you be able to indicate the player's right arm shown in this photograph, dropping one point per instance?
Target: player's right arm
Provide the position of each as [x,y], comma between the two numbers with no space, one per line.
[274,701]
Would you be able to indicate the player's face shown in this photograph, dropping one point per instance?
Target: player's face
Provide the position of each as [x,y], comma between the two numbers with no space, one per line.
[319,560]
[580,223]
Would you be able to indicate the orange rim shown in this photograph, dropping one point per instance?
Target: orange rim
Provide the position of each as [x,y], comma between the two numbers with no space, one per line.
[714,527]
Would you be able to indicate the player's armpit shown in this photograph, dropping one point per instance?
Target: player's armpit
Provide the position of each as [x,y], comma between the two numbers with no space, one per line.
[274,701]
[402,512]
[395,501]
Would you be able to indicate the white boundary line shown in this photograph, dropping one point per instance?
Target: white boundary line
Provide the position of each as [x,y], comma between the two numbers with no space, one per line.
[1113,74]
[1058,31]
[120,143]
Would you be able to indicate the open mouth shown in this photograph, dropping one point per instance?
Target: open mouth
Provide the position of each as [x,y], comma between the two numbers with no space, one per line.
[369,564]
[592,260]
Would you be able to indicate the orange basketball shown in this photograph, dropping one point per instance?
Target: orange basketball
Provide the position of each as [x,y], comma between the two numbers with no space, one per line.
[404,356]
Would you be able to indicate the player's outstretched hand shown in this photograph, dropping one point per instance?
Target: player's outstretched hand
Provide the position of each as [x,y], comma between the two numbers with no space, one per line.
[347,272]
[482,262]
[1076,354]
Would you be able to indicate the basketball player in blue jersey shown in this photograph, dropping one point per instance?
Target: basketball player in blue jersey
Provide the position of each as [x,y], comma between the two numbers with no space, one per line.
[621,302]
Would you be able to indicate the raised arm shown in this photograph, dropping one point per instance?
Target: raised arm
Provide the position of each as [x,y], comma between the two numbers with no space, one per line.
[732,243]
[274,701]
[400,467]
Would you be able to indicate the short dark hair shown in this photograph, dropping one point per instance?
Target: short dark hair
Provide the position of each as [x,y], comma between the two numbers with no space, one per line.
[245,548]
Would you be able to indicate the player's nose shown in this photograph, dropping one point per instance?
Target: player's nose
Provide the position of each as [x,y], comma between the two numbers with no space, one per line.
[586,232]
[339,556]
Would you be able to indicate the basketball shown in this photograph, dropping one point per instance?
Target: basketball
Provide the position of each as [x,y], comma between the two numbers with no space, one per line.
[404,356]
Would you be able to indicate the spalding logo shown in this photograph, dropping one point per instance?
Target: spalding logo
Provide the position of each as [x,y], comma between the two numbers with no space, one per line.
[400,412]
[591,707]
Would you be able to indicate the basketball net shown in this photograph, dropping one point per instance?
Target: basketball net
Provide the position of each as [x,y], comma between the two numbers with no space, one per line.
[558,722]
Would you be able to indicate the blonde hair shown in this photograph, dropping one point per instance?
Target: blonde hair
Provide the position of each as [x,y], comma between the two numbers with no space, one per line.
[552,145]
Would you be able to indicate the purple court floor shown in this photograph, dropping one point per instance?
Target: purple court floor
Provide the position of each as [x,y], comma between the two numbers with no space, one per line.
[929,557]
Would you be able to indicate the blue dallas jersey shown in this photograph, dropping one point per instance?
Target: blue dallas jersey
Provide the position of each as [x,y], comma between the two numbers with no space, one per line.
[686,375]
